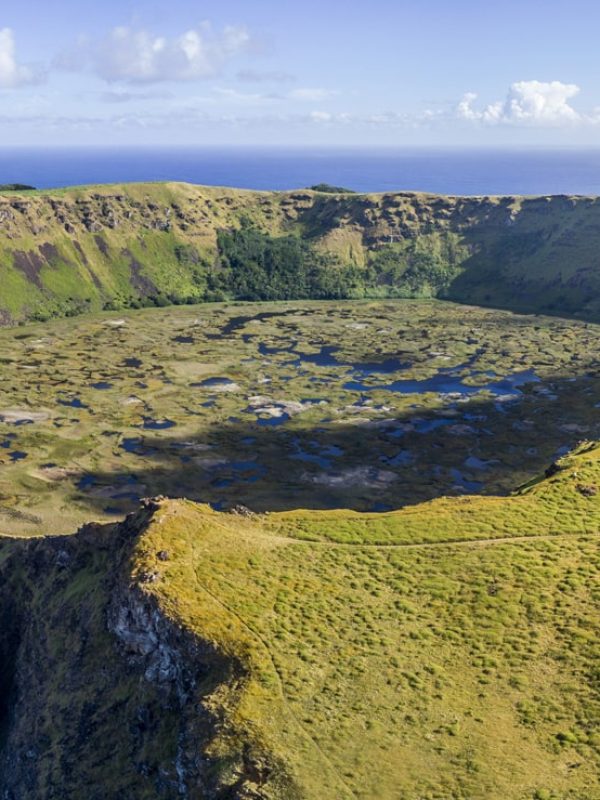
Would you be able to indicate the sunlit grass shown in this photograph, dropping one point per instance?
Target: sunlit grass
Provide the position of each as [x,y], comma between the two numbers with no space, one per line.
[397,656]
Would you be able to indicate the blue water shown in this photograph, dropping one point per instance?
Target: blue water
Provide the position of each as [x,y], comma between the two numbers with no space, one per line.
[402,459]
[76,402]
[466,484]
[137,447]
[209,383]
[559,171]
[446,383]
[86,482]
[326,358]
[322,455]
[158,425]
[239,472]
[134,363]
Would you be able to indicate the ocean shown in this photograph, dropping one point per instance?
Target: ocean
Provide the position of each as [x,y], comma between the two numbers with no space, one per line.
[460,172]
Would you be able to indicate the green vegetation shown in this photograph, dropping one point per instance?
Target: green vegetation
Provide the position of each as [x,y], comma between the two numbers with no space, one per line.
[423,267]
[406,655]
[279,406]
[16,187]
[327,188]
[70,251]
[89,705]
[445,650]
[256,266]
[312,644]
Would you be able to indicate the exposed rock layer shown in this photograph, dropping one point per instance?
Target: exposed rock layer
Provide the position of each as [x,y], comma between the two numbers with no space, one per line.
[84,249]
[101,695]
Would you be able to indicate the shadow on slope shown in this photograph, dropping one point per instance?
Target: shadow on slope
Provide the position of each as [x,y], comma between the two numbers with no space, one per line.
[102,695]
[534,255]
[368,460]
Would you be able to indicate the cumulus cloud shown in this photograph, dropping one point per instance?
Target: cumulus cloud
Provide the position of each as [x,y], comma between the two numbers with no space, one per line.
[137,56]
[13,74]
[527,103]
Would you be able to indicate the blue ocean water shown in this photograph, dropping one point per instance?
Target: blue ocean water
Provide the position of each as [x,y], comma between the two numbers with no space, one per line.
[462,172]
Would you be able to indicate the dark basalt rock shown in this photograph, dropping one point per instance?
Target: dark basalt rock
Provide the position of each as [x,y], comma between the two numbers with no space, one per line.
[101,694]
[553,469]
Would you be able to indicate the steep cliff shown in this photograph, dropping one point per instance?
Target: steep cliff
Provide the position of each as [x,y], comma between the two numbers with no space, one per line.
[104,696]
[68,251]
[447,649]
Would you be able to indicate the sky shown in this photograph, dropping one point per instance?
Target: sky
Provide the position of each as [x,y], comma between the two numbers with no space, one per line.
[465,73]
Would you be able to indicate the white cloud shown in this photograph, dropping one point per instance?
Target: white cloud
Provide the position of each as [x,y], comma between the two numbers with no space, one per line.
[321,116]
[465,109]
[137,56]
[13,74]
[527,103]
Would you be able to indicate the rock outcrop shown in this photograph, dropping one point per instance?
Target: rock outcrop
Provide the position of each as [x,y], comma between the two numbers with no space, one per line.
[102,696]
[108,247]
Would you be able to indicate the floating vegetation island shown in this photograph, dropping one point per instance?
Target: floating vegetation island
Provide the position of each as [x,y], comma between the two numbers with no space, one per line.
[368,406]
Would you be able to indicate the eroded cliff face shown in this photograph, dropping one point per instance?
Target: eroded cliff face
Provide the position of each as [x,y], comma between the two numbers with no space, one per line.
[101,695]
[85,249]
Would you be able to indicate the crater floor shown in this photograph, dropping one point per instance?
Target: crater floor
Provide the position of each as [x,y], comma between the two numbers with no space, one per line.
[361,405]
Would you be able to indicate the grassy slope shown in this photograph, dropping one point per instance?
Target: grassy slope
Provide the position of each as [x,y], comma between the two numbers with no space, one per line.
[77,249]
[403,655]
[445,650]
[71,250]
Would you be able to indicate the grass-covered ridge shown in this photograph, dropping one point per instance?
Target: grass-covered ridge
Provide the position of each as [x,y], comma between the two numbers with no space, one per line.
[64,252]
[445,650]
